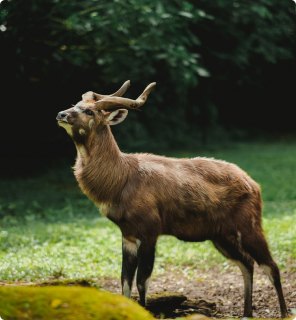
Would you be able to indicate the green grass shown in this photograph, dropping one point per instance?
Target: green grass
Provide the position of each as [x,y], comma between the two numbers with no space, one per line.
[49,230]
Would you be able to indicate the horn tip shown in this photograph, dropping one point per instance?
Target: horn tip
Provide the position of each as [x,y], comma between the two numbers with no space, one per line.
[151,85]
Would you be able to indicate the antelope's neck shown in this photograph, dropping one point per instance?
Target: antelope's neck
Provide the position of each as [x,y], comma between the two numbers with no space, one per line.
[101,169]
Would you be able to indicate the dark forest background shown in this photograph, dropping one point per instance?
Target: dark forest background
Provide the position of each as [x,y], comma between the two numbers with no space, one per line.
[225,70]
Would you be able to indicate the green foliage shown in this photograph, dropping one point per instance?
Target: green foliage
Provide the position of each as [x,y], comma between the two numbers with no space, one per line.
[136,37]
[250,33]
[206,56]
[67,303]
[139,39]
[50,231]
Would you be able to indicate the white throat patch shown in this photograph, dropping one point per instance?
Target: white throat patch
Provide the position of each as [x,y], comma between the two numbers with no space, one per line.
[67,127]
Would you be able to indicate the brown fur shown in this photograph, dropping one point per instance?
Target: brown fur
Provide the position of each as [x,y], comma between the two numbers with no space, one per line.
[188,198]
[148,195]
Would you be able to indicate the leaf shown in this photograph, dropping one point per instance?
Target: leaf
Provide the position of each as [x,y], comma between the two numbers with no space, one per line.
[202,72]
[186,14]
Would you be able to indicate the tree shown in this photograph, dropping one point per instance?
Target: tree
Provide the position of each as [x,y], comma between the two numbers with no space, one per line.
[212,60]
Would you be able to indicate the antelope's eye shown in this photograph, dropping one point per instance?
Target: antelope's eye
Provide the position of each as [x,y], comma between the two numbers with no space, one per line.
[88,112]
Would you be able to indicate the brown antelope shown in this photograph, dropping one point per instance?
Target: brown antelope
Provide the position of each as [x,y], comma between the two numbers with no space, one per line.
[148,195]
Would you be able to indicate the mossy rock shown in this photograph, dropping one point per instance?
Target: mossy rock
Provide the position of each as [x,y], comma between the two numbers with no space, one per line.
[66,303]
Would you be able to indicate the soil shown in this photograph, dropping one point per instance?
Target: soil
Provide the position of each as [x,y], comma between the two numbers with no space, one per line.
[214,293]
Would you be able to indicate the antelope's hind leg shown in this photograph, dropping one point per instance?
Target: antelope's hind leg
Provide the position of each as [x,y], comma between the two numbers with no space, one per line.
[233,251]
[257,247]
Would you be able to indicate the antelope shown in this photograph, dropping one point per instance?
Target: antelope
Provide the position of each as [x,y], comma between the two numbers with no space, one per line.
[148,195]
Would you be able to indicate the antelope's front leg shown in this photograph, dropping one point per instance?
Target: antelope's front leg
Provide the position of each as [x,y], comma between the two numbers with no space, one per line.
[146,254]
[129,265]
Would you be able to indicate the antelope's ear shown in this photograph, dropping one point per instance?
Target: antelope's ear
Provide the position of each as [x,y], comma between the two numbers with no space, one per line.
[116,116]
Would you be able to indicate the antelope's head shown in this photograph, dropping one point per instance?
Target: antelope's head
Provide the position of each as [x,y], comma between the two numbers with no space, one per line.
[93,111]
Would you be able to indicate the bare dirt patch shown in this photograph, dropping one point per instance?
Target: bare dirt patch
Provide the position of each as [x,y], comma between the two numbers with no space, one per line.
[214,293]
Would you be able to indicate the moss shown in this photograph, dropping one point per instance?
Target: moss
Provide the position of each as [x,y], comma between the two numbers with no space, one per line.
[66,303]
[68,282]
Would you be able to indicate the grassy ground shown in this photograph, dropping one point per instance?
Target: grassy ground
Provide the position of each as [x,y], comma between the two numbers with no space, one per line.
[49,230]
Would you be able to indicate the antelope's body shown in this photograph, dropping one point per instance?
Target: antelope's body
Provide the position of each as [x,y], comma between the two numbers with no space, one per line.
[148,195]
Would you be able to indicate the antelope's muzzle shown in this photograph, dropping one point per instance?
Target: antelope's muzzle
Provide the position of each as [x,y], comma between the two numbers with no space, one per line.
[62,116]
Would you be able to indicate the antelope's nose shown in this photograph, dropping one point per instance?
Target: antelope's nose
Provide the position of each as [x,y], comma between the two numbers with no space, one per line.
[62,115]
